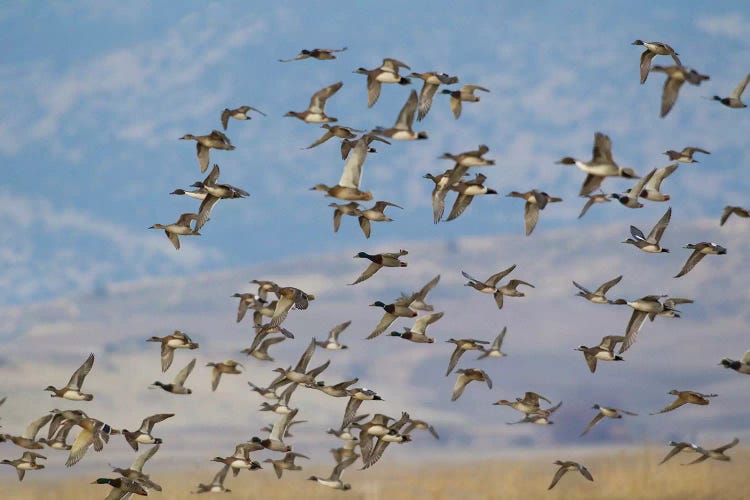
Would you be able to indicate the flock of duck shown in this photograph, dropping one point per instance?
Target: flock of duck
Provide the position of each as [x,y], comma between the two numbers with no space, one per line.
[271,303]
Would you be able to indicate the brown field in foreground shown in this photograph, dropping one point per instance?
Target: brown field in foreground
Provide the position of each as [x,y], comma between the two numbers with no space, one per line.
[626,475]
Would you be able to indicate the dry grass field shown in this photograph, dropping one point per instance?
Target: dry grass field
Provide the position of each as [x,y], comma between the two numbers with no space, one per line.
[623,475]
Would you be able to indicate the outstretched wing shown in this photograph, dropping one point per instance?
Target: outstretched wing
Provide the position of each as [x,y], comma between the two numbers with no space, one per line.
[425,99]
[406,116]
[420,325]
[674,405]
[609,284]
[459,386]
[724,448]
[560,473]
[386,321]
[318,99]
[371,269]
[593,422]
[674,451]
[634,326]
[530,216]
[581,288]
[457,352]
[352,173]
[658,230]
[740,88]
[694,258]
[669,94]
[646,58]
[492,280]
[76,380]
[143,457]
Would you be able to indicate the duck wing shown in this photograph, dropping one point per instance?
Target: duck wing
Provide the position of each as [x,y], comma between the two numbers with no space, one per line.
[602,151]
[420,325]
[304,360]
[215,378]
[203,159]
[438,202]
[392,65]
[590,184]
[658,230]
[204,212]
[590,361]
[457,352]
[606,286]
[584,472]
[283,305]
[473,280]
[635,191]
[425,99]
[674,451]
[631,332]
[608,342]
[281,425]
[212,176]
[455,106]
[469,89]
[143,457]
[669,94]
[386,321]
[350,412]
[646,58]
[582,288]
[371,269]
[376,453]
[560,473]
[318,99]
[182,375]
[364,224]
[724,448]
[593,422]
[320,141]
[422,294]
[81,444]
[174,239]
[660,175]
[694,258]
[586,207]
[33,428]
[497,344]
[352,173]
[513,284]
[76,380]
[225,117]
[373,90]
[148,423]
[492,280]
[740,88]
[530,216]
[406,116]
[728,210]
[462,201]
[459,386]
[674,405]
[336,330]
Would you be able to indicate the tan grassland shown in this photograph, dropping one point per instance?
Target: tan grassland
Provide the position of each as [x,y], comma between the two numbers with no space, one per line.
[620,475]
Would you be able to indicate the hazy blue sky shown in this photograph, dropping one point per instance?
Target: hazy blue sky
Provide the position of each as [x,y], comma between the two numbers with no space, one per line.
[93,99]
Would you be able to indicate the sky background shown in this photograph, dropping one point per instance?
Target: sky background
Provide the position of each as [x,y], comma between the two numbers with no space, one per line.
[93,98]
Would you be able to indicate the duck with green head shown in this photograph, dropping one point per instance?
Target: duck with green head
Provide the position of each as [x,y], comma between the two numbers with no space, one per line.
[378,261]
[123,484]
